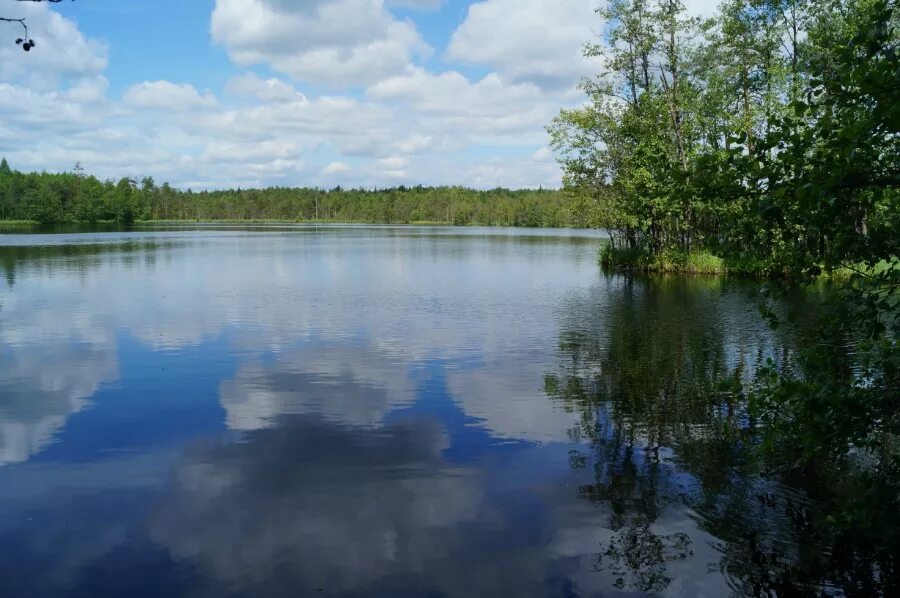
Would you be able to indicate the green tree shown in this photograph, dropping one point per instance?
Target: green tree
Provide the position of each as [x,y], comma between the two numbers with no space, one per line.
[42,202]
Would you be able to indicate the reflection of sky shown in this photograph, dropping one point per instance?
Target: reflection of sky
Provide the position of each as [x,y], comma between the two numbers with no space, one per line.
[337,410]
[410,295]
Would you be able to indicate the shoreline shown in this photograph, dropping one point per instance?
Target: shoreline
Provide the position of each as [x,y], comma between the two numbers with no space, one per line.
[141,223]
[706,263]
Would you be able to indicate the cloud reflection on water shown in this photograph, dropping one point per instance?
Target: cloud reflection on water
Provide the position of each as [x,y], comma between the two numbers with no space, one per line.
[388,424]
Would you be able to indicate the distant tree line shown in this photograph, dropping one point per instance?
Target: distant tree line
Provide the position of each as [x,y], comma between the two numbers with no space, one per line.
[77,197]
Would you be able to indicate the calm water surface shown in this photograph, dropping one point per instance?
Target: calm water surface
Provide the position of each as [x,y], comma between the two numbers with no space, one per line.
[369,411]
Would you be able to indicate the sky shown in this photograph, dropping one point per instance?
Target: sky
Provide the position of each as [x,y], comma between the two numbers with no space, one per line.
[211,94]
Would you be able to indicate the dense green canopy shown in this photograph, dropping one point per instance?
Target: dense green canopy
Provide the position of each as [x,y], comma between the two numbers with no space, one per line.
[75,197]
[767,135]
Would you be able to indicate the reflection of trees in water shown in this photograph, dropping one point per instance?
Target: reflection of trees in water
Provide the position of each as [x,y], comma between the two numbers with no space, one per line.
[640,373]
[657,372]
[76,256]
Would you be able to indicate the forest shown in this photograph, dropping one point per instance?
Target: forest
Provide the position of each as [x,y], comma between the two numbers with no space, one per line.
[77,197]
[764,139]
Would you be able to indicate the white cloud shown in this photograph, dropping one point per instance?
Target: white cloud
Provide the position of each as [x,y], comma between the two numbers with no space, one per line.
[416,4]
[335,168]
[270,90]
[30,113]
[537,170]
[88,90]
[414,144]
[265,152]
[528,40]
[452,93]
[490,110]
[542,155]
[163,95]
[701,8]
[329,115]
[394,167]
[339,43]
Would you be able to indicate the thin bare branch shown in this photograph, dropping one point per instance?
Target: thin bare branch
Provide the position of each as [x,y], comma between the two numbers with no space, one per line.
[26,42]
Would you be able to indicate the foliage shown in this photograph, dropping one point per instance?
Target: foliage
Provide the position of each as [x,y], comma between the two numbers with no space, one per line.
[75,197]
[765,135]
[698,262]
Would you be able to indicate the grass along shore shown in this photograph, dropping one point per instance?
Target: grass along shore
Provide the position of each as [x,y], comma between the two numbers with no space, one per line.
[710,264]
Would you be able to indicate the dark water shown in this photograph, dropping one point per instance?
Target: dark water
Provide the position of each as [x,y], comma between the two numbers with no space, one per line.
[375,411]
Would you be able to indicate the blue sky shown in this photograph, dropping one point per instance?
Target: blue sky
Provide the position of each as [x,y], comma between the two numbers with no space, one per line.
[220,93]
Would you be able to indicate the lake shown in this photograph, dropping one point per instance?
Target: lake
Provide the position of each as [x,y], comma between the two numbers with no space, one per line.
[398,411]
